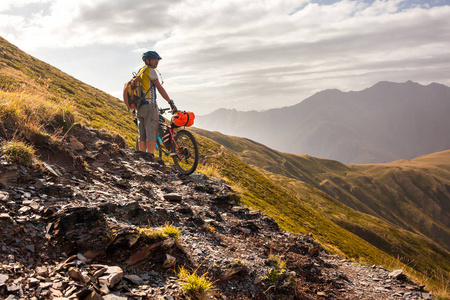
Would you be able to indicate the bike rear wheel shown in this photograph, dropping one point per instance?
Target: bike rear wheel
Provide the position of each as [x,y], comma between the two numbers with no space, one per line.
[186,159]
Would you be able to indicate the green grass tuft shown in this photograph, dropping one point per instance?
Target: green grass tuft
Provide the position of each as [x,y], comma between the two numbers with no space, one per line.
[171,231]
[151,234]
[18,152]
[278,268]
[195,285]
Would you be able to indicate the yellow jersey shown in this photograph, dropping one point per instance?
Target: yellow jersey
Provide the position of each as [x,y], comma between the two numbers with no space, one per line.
[146,79]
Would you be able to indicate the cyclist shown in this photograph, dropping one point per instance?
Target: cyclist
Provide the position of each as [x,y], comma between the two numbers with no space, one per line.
[147,113]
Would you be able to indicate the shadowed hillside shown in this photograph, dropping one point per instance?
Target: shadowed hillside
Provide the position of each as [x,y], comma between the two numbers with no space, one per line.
[386,122]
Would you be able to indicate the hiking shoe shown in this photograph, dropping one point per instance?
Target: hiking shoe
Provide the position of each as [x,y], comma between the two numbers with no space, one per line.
[145,155]
[149,157]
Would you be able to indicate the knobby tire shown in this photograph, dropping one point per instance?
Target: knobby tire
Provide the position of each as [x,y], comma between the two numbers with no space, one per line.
[186,160]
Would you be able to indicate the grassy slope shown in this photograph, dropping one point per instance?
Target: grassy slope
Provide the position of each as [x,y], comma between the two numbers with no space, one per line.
[21,72]
[420,188]
[305,177]
[262,193]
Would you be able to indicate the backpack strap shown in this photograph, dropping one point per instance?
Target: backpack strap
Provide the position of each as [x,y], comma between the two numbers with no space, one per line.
[141,71]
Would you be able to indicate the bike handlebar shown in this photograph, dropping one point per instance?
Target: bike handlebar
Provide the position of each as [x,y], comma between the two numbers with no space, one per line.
[163,110]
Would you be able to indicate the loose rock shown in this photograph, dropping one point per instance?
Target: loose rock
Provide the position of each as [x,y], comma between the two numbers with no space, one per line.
[89,226]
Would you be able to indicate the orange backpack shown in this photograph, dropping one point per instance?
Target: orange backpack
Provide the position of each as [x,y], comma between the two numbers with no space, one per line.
[183,118]
[132,91]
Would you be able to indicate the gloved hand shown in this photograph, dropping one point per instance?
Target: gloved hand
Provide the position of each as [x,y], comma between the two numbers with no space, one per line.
[172,106]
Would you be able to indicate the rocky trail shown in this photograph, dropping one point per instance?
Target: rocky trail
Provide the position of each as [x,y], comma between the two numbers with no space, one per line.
[88,223]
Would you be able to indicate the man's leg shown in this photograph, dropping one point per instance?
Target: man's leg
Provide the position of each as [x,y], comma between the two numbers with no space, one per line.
[150,146]
[142,146]
[152,127]
[142,133]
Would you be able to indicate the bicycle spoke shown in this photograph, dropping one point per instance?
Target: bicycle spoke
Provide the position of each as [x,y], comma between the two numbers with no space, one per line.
[187,158]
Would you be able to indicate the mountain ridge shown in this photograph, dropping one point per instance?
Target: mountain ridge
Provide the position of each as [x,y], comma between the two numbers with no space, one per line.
[382,123]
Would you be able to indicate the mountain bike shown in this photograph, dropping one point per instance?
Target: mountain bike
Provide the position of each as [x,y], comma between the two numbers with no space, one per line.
[180,145]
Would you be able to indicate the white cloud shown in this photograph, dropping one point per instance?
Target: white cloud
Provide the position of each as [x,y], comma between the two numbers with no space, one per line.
[272,55]
[241,54]
[85,22]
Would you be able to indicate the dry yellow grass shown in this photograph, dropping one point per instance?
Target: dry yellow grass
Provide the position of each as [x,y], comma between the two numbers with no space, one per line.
[435,282]
[33,110]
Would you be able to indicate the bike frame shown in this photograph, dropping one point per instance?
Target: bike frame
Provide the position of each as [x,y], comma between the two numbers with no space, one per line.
[171,139]
[171,133]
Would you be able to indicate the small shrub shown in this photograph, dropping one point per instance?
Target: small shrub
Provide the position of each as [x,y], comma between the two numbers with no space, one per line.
[64,118]
[154,234]
[9,115]
[279,267]
[35,134]
[18,152]
[274,274]
[151,234]
[195,285]
[210,228]
[171,231]
[277,262]
[208,170]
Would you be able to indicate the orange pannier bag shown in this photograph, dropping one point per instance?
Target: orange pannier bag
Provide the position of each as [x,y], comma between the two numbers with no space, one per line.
[183,118]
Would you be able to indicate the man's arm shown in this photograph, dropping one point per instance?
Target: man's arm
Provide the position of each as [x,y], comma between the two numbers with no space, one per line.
[161,90]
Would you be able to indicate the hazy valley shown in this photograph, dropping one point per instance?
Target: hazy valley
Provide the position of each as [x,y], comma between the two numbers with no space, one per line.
[383,123]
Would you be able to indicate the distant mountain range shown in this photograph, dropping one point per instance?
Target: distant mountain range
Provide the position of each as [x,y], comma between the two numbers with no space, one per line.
[383,123]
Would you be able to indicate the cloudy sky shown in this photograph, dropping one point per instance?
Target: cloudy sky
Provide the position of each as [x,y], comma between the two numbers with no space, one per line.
[242,54]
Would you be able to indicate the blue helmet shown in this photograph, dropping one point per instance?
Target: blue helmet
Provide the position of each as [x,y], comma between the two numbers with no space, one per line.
[150,55]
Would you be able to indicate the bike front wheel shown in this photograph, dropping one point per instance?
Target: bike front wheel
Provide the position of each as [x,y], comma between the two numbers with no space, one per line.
[186,159]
